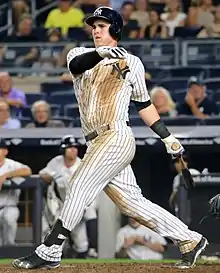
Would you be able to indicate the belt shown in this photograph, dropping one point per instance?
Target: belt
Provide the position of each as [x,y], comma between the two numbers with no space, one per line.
[105,128]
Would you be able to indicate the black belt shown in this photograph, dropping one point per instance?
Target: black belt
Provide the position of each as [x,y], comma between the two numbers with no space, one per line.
[105,128]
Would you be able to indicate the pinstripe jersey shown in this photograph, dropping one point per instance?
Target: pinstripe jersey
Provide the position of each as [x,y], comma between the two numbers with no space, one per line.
[104,92]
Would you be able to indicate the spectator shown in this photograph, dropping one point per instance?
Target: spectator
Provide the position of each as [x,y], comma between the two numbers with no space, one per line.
[6,121]
[163,102]
[174,17]
[213,30]
[138,242]
[200,14]
[41,115]
[9,213]
[22,56]
[156,29]
[19,7]
[65,17]
[140,13]
[15,98]
[197,103]
[130,27]
[117,4]
[89,6]
[50,55]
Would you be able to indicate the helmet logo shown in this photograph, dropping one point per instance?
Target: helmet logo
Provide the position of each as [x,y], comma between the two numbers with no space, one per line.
[98,12]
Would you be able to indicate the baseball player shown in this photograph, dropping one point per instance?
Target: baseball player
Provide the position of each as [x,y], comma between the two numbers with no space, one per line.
[9,212]
[105,79]
[137,242]
[57,174]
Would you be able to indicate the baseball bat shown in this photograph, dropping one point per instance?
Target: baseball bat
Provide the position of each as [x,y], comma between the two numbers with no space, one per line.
[187,177]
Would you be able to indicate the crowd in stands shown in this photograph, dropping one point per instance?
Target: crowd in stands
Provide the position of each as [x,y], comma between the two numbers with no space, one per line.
[143,20]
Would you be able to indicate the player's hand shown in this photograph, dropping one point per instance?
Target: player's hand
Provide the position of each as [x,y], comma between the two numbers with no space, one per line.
[173,146]
[140,240]
[128,242]
[112,52]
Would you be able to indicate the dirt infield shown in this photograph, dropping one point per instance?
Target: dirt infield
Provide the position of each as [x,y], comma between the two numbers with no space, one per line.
[116,268]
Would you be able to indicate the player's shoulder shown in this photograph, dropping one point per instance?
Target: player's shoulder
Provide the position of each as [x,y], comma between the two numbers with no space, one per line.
[134,61]
[9,161]
[73,52]
[56,159]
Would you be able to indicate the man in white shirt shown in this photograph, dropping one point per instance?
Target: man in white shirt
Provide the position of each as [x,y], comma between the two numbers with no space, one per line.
[137,242]
[57,174]
[9,198]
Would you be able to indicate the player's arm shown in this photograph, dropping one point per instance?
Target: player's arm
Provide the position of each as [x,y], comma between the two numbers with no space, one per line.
[155,246]
[149,114]
[81,59]
[20,171]
[47,173]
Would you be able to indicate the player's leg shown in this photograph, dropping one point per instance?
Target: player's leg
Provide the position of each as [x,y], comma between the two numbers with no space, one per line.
[125,192]
[105,157]
[90,217]
[10,218]
[80,239]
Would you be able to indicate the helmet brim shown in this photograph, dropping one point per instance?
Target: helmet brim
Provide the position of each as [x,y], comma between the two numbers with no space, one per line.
[91,19]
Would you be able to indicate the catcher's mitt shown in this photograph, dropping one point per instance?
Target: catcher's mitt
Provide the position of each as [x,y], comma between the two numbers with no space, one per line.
[214,208]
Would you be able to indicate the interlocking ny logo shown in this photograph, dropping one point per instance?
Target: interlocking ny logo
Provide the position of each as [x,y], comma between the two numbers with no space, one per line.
[121,72]
[98,12]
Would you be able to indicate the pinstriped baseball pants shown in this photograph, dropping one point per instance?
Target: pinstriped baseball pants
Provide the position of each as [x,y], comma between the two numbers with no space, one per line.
[106,165]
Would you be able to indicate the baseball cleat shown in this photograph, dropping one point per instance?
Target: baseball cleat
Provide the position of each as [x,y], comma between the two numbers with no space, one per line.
[189,259]
[33,261]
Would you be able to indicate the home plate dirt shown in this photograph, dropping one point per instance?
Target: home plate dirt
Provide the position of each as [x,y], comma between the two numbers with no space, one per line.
[116,268]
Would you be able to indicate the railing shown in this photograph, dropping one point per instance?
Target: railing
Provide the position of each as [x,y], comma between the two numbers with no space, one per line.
[156,53]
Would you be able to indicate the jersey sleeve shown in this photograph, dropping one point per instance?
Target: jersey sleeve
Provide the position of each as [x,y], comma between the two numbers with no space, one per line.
[139,92]
[50,169]
[15,165]
[76,52]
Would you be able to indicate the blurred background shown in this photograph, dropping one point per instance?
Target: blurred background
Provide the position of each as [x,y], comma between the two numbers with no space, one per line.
[178,42]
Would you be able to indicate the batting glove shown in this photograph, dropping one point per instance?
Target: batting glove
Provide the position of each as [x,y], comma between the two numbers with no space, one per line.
[173,146]
[112,52]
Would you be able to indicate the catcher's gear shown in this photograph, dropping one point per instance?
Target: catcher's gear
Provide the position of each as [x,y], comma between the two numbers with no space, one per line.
[110,15]
[214,208]
[112,52]
[173,146]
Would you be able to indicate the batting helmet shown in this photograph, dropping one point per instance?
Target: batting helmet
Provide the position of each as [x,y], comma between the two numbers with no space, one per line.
[110,15]
[67,142]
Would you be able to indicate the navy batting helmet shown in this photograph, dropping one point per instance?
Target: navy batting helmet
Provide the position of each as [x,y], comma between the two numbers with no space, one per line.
[67,142]
[110,15]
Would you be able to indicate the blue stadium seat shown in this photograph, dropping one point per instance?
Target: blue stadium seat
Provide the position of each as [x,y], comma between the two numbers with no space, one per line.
[185,72]
[77,34]
[132,109]
[212,73]
[179,96]
[216,96]
[71,110]
[185,32]
[76,123]
[51,87]
[174,84]
[40,33]
[32,97]
[26,112]
[212,84]
[66,120]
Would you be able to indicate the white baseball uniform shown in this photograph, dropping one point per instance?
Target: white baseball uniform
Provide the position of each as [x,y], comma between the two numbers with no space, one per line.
[61,174]
[9,211]
[137,251]
[103,94]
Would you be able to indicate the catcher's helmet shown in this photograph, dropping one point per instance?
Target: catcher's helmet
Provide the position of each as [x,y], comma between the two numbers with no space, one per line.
[112,16]
[67,142]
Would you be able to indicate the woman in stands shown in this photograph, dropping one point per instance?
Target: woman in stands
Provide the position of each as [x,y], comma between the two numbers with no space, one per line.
[174,17]
[156,29]
[163,102]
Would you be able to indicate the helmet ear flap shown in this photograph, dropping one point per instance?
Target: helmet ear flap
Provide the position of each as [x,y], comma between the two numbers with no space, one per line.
[115,30]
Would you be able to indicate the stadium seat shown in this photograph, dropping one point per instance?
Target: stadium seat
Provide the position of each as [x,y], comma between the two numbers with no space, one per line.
[24,121]
[135,120]
[32,97]
[51,87]
[212,72]
[212,84]
[174,84]
[185,72]
[77,34]
[40,33]
[71,111]
[178,96]
[66,120]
